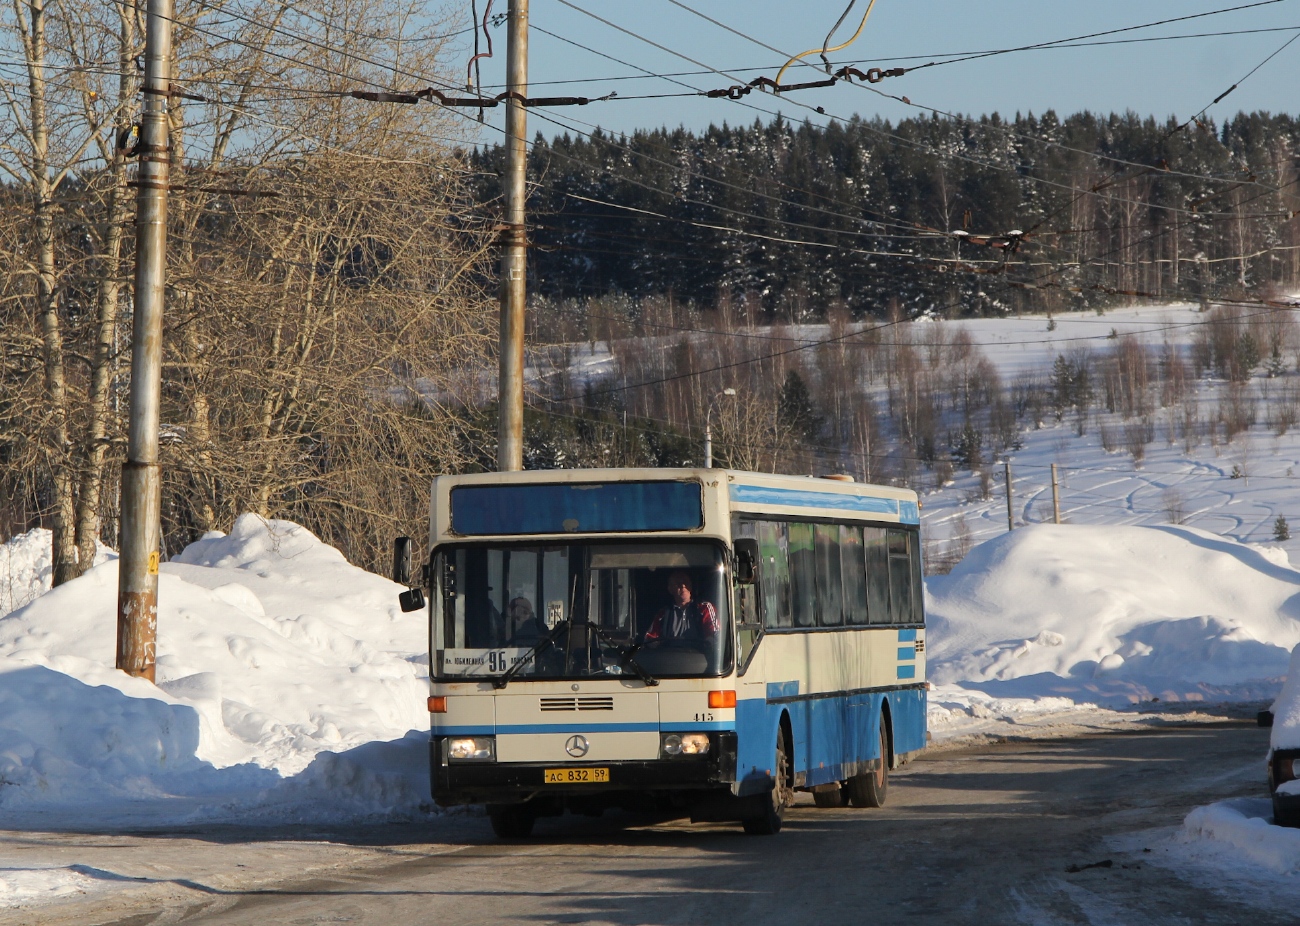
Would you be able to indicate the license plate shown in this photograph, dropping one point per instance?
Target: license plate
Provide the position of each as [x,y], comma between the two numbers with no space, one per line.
[576,776]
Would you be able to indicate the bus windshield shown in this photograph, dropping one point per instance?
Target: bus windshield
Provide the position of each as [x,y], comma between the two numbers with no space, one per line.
[597,605]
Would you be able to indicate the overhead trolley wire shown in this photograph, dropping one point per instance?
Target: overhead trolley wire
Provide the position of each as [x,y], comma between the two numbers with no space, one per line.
[962,119]
[344,53]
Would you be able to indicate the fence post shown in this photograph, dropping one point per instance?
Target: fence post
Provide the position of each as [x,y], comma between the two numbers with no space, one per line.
[1056,498]
[1006,471]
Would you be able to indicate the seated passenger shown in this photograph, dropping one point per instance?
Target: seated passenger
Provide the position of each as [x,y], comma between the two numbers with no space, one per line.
[683,618]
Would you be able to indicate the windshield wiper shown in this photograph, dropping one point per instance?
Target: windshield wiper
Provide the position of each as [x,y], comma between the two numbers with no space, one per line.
[628,653]
[503,679]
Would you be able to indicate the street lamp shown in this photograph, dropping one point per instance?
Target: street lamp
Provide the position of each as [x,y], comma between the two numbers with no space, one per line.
[708,427]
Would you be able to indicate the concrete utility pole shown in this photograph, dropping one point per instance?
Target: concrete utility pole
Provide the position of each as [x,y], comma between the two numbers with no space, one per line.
[514,256]
[1056,498]
[708,427]
[1006,471]
[137,584]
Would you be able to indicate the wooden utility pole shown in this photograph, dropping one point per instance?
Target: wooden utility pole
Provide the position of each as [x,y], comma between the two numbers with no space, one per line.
[1056,498]
[1006,471]
[137,583]
[514,254]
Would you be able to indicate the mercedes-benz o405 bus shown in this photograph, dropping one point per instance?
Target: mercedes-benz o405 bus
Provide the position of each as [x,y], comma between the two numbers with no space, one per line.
[703,640]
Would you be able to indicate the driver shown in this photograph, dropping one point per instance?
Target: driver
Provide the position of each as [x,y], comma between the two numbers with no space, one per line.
[522,624]
[684,618]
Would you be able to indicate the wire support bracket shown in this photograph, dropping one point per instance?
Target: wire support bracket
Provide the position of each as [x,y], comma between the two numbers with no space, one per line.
[474,102]
[871,76]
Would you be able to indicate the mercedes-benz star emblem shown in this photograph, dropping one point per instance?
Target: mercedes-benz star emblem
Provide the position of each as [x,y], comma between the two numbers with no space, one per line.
[576,746]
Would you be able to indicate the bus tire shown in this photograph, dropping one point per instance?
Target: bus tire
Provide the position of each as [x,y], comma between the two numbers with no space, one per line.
[871,789]
[512,822]
[829,797]
[768,823]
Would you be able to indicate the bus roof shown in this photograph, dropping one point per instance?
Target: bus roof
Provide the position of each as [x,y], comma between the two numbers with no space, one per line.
[646,500]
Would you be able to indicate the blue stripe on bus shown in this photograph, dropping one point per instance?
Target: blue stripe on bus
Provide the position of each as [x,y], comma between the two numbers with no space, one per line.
[907,636]
[803,498]
[906,653]
[907,671]
[507,729]
[782,690]
[909,512]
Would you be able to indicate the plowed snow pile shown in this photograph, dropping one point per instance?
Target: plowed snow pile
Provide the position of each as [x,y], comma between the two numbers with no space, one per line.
[271,650]
[1051,616]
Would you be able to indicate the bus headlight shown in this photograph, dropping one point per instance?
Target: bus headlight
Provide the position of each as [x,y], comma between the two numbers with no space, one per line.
[471,747]
[685,744]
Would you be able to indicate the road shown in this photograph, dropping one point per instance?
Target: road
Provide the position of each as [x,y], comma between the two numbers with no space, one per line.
[983,835]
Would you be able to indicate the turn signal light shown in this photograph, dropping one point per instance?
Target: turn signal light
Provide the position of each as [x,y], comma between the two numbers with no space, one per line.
[438,704]
[722,699]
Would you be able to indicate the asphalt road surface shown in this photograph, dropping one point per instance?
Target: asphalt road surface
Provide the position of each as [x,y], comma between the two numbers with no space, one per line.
[984,835]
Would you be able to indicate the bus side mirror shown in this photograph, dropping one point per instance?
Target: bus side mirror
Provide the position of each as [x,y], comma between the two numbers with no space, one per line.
[411,600]
[746,570]
[402,560]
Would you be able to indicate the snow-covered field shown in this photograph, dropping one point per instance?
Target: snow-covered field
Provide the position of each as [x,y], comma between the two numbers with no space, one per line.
[291,687]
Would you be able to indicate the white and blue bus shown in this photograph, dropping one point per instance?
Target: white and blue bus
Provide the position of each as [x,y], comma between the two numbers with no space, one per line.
[699,640]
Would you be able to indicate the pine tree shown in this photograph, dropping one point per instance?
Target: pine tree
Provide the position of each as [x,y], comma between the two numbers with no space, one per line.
[796,409]
[1281,530]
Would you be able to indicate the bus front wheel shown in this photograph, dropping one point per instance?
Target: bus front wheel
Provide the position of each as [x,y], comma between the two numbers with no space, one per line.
[768,822]
[871,789]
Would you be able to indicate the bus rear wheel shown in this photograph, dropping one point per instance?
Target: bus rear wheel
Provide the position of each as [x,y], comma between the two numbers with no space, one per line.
[515,822]
[768,823]
[871,789]
[831,797]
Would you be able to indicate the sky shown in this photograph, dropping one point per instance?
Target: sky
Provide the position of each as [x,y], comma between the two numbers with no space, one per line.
[1177,77]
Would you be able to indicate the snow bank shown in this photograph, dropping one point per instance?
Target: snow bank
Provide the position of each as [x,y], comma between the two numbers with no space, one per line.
[272,650]
[1245,827]
[26,565]
[1113,616]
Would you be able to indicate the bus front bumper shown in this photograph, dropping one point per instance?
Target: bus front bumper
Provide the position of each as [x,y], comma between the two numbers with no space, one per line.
[493,782]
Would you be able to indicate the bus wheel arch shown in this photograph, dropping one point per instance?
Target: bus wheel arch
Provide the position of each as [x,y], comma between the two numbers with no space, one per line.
[785,728]
[772,806]
[887,729]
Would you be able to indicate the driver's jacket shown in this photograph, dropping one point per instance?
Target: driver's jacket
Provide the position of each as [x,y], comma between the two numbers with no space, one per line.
[692,621]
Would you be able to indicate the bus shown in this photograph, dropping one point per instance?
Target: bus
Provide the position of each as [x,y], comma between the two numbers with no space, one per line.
[701,641]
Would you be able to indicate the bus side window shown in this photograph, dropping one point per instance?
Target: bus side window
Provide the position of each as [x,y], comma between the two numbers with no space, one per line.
[900,576]
[877,575]
[774,573]
[803,575]
[853,568]
[918,588]
[830,599]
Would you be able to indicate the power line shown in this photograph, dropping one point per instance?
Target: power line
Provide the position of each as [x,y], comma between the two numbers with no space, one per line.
[896,58]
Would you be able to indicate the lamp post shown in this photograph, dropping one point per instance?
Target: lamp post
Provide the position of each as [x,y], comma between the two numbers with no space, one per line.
[708,427]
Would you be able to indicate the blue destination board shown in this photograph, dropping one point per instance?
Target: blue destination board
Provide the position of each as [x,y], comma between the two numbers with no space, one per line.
[606,507]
